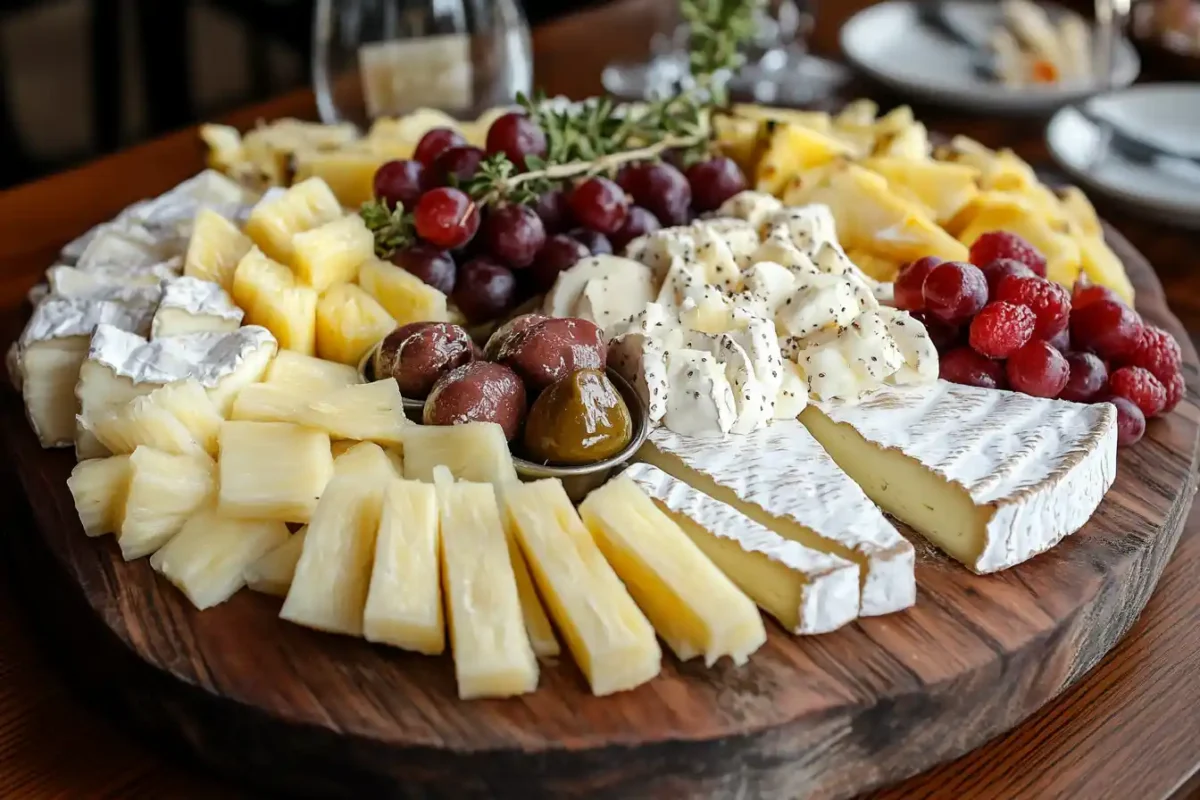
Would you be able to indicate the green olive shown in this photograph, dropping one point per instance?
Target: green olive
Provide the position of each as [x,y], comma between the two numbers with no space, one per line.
[578,419]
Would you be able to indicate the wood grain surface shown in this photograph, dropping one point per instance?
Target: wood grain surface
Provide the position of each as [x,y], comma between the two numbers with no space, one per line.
[1079,745]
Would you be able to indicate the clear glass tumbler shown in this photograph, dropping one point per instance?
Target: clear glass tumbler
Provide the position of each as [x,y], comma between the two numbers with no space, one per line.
[378,58]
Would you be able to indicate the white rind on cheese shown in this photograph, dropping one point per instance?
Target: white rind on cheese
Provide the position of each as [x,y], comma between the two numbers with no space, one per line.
[781,478]
[189,305]
[1035,469]
[64,317]
[827,586]
[206,357]
[68,281]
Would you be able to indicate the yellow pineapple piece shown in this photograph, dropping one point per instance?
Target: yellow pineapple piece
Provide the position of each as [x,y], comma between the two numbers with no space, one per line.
[1081,212]
[941,187]
[819,121]
[164,490]
[367,459]
[99,487]
[350,173]
[406,297]
[208,558]
[306,205]
[878,267]
[329,588]
[272,470]
[332,253]
[272,573]
[792,149]
[365,412]
[475,451]
[404,599]
[265,402]
[349,322]
[224,145]
[215,249]
[267,291]
[1101,265]
[309,375]
[177,418]
[1008,213]
[740,138]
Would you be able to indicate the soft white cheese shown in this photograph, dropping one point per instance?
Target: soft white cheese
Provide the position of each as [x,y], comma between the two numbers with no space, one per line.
[603,289]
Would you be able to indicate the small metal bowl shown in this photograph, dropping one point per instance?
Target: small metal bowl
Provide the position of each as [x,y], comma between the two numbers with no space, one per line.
[413,409]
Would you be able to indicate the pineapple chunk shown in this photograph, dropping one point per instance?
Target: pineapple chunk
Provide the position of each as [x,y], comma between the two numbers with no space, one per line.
[309,375]
[611,640]
[215,249]
[100,390]
[164,490]
[329,590]
[267,291]
[272,470]
[265,402]
[880,268]
[207,559]
[350,173]
[99,487]
[696,609]
[404,600]
[492,653]
[792,149]
[333,252]
[365,411]
[178,418]
[533,613]
[349,322]
[405,296]
[367,459]
[307,205]
[944,188]
[49,371]
[272,573]
[1081,212]
[997,212]
[1101,265]
[476,451]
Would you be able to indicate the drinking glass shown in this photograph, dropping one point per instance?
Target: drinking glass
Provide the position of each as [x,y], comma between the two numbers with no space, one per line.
[374,58]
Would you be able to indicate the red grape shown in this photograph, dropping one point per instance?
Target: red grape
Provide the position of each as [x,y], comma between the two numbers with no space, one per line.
[554,210]
[485,290]
[1110,328]
[560,252]
[954,291]
[1038,369]
[446,217]
[457,164]
[599,204]
[597,243]
[1061,341]
[660,189]
[1001,268]
[963,365]
[945,335]
[1001,244]
[1088,376]
[514,234]
[1131,422]
[907,290]
[435,142]
[400,183]
[714,181]
[638,223]
[428,263]
[1085,293]
[517,136]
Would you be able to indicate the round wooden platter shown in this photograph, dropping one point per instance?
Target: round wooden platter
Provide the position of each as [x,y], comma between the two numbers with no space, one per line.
[287,708]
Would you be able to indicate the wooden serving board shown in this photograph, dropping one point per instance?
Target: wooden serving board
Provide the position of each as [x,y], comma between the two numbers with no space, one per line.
[290,709]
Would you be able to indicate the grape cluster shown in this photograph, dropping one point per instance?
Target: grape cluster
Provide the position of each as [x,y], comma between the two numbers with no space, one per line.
[489,259]
[999,323]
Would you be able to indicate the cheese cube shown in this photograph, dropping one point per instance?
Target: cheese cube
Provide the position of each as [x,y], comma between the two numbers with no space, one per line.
[272,470]
[611,640]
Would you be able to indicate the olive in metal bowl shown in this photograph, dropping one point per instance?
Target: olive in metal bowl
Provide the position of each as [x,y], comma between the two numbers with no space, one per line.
[551,349]
[579,419]
[419,353]
[478,392]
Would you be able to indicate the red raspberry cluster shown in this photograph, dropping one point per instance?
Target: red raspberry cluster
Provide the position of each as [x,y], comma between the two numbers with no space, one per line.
[999,323]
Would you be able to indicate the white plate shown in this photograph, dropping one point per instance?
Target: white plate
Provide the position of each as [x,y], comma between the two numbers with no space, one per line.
[892,45]
[1167,115]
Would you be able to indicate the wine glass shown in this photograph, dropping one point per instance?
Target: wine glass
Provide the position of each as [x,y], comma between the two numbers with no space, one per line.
[374,58]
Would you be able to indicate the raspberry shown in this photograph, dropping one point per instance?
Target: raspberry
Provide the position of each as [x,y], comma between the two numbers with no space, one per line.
[1157,351]
[1086,293]
[1140,387]
[1131,422]
[907,288]
[1049,302]
[1088,376]
[999,269]
[965,366]
[1176,388]
[1000,329]
[1038,369]
[954,291]
[945,336]
[1002,244]
[1107,327]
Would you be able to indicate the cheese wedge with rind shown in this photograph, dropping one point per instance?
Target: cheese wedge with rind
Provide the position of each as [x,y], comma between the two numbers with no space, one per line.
[492,653]
[991,477]
[695,608]
[781,478]
[806,590]
[608,635]
[404,600]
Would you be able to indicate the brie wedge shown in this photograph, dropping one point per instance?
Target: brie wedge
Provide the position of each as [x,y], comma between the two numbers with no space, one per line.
[781,478]
[991,477]
[809,591]
[190,305]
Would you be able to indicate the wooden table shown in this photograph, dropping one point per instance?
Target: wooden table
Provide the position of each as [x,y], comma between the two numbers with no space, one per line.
[1128,730]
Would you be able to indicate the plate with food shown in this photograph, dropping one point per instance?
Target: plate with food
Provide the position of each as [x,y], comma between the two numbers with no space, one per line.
[589,444]
[1009,57]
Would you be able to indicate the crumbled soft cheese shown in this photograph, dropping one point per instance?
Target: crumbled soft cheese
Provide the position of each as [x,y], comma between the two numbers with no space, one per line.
[753,207]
